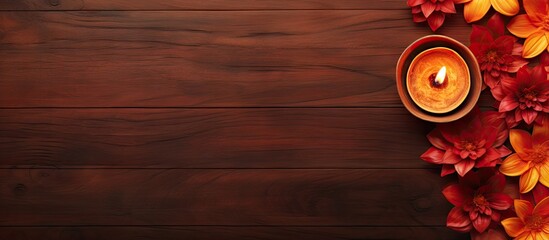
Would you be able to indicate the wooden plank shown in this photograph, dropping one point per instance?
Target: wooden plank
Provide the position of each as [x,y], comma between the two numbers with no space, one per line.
[215,233]
[205,58]
[194,5]
[213,138]
[248,197]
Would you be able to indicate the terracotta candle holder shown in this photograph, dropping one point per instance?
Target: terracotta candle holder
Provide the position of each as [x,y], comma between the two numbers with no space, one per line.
[438,79]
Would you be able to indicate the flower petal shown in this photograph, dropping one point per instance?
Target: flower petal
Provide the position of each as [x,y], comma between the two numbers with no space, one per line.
[523,208]
[514,166]
[520,140]
[419,18]
[508,103]
[461,1]
[544,58]
[490,159]
[495,24]
[529,116]
[503,151]
[447,6]
[499,201]
[506,7]
[540,192]
[538,73]
[544,175]
[490,234]
[447,169]
[526,235]
[540,133]
[515,65]
[481,34]
[413,3]
[481,223]
[435,20]
[528,180]
[513,226]
[455,194]
[496,181]
[458,220]
[542,208]
[436,138]
[433,155]
[428,8]
[535,44]
[475,10]
[521,26]
[539,235]
[450,158]
[536,9]
[464,166]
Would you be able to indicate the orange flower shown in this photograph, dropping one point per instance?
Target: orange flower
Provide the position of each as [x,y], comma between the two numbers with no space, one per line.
[534,26]
[531,223]
[474,10]
[531,160]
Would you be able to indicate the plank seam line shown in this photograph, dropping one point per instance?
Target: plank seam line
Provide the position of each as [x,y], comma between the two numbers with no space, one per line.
[154,168]
[244,107]
[199,10]
[236,226]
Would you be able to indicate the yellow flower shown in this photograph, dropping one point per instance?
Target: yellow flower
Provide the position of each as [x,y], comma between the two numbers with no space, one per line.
[476,9]
[534,26]
[531,160]
[532,222]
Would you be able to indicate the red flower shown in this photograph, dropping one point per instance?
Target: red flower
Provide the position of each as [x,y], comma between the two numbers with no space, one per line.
[490,234]
[496,53]
[477,199]
[473,141]
[526,97]
[432,11]
[544,61]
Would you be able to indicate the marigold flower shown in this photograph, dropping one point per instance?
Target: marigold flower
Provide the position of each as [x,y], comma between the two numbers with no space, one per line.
[526,97]
[477,199]
[532,222]
[531,160]
[473,141]
[432,11]
[534,26]
[474,10]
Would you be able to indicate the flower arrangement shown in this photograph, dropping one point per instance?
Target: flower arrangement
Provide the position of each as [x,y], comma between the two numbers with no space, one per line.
[474,147]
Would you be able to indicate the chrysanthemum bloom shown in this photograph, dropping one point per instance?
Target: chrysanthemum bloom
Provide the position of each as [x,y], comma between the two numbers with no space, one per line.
[432,11]
[476,9]
[531,160]
[534,26]
[532,222]
[496,53]
[473,141]
[477,199]
[526,97]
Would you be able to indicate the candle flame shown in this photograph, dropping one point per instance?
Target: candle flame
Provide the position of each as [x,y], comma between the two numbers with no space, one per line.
[441,75]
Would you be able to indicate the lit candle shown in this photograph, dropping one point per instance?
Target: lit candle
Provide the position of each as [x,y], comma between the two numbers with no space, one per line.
[438,80]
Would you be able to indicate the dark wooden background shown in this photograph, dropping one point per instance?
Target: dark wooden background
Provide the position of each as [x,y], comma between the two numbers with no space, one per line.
[212,119]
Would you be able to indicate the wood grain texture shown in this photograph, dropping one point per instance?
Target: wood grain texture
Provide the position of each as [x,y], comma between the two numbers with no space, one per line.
[228,233]
[193,4]
[222,197]
[205,58]
[213,138]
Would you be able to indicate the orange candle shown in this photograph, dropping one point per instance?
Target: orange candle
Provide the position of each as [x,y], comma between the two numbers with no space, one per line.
[438,80]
